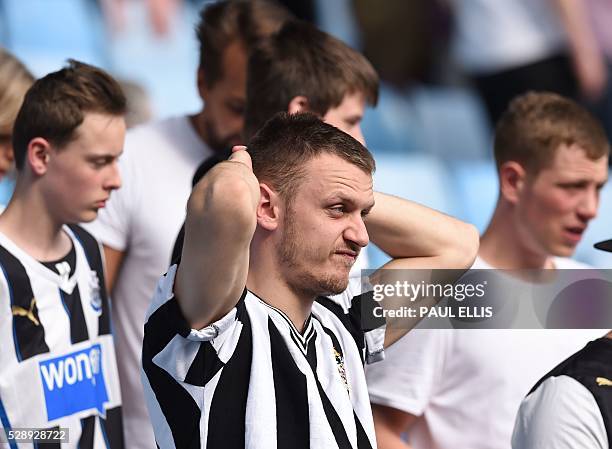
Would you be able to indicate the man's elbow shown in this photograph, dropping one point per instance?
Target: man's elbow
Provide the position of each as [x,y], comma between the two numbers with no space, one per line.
[464,248]
[227,201]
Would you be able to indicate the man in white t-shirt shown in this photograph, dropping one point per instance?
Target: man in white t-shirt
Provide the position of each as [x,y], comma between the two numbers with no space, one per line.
[141,221]
[462,388]
[508,48]
[303,69]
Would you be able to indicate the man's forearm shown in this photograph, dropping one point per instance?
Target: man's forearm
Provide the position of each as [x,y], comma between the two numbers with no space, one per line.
[431,239]
[221,220]
[434,247]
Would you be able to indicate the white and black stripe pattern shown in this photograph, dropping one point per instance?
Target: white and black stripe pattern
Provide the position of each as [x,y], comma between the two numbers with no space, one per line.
[58,347]
[251,380]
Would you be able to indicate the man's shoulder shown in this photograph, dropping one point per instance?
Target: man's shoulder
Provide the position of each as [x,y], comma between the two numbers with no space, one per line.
[173,127]
[87,241]
[480,264]
[564,263]
[159,143]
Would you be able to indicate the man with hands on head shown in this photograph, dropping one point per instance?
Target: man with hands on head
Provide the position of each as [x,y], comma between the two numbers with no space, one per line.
[303,69]
[254,340]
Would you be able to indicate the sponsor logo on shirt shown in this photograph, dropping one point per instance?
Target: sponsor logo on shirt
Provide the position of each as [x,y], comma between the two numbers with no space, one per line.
[28,313]
[603,382]
[74,382]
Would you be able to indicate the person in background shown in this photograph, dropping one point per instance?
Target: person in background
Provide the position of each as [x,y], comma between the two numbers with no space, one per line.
[15,80]
[303,69]
[57,365]
[571,406]
[452,388]
[511,47]
[140,222]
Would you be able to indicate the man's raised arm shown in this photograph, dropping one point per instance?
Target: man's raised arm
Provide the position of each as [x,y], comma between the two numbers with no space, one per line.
[221,220]
[416,236]
[436,247]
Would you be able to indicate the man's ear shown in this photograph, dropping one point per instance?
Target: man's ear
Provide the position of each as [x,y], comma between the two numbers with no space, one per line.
[39,155]
[298,104]
[512,178]
[268,209]
[202,84]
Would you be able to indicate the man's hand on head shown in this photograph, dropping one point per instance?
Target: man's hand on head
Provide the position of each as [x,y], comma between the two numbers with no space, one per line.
[241,155]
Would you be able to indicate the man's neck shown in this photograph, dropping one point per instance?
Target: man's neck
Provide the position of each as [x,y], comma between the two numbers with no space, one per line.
[501,246]
[28,223]
[265,281]
[197,122]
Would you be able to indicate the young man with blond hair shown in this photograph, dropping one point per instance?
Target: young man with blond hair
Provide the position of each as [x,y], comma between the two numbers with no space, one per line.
[140,224]
[462,387]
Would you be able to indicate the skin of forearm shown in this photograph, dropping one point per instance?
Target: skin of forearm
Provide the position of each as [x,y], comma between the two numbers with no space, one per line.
[404,229]
[221,221]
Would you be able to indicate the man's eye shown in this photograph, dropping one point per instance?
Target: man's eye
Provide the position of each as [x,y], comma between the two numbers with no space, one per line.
[573,186]
[237,109]
[337,209]
[99,163]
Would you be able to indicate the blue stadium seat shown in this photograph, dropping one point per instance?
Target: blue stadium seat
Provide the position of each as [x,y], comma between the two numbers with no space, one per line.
[599,229]
[420,178]
[476,189]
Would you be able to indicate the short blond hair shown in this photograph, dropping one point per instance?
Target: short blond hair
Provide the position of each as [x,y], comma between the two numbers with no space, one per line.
[536,124]
[15,80]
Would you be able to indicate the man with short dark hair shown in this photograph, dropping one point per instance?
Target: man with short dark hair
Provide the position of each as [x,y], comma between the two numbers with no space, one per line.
[141,222]
[302,68]
[58,367]
[462,388]
[256,340]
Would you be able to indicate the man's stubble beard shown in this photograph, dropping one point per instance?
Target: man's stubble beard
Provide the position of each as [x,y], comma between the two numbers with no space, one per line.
[299,277]
[215,142]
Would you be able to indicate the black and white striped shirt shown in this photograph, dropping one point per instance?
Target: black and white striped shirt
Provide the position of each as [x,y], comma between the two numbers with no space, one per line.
[57,359]
[251,380]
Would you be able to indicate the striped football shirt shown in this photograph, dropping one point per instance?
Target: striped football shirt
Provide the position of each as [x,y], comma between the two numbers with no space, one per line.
[252,380]
[57,360]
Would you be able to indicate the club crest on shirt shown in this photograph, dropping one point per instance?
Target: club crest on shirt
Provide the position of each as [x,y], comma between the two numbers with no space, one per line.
[340,364]
[603,382]
[94,286]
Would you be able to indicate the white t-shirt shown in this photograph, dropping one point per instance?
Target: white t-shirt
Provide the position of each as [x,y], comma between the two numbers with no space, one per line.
[560,414]
[466,385]
[493,36]
[143,218]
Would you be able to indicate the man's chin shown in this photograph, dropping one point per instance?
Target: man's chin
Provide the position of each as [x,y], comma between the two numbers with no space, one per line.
[336,286]
[563,250]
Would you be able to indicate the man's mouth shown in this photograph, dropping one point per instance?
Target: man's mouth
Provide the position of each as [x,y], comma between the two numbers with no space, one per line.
[347,253]
[574,233]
